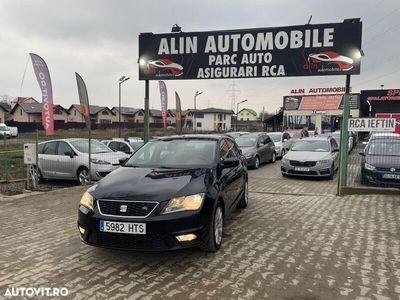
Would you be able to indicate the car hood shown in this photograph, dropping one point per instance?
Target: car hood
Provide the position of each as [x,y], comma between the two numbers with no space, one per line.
[133,183]
[111,157]
[278,144]
[383,161]
[307,155]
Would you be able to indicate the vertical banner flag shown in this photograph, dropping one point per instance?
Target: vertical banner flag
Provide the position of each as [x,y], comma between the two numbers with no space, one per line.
[164,101]
[83,99]
[178,114]
[43,78]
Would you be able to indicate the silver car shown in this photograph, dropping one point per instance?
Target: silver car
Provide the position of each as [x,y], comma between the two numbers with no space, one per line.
[314,157]
[69,159]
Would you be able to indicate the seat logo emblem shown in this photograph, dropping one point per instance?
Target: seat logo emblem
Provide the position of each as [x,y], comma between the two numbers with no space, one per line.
[123,208]
[392,169]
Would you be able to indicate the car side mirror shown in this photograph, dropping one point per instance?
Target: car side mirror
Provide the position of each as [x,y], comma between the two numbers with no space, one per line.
[285,140]
[69,153]
[122,161]
[361,153]
[230,163]
[335,150]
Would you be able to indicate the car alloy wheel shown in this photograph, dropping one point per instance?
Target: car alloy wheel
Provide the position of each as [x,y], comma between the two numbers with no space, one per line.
[257,163]
[218,226]
[83,176]
[273,159]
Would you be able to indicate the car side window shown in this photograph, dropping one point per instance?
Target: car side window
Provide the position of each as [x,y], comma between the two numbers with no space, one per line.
[50,148]
[114,146]
[261,141]
[63,148]
[286,136]
[226,149]
[333,144]
[267,139]
[124,148]
[40,148]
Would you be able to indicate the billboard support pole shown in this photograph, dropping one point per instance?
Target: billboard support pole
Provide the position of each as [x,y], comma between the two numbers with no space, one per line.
[344,138]
[146,112]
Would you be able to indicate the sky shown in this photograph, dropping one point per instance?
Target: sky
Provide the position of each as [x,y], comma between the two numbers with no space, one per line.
[99,40]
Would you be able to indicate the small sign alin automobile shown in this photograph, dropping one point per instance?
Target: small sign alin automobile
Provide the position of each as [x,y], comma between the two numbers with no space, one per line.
[372,124]
[304,50]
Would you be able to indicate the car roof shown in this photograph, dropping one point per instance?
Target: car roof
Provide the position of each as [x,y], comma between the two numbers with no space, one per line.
[216,137]
[316,138]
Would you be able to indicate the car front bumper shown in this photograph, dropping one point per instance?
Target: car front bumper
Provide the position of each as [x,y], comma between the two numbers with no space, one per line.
[315,171]
[161,231]
[376,178]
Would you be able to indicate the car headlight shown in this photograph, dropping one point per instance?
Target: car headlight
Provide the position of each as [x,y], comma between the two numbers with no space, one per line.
[87,200]
[369,167]
[285,161]
[99,161]
[249,155]
[192,202]
[323,162]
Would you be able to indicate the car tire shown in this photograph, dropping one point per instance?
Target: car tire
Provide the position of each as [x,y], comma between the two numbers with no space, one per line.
[215,230]
[273,158]
[244,200]
[332,174]
[256,163]
[83,175]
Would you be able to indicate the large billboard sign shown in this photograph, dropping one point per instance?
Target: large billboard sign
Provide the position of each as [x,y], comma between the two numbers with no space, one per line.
[305,50]
[319,102]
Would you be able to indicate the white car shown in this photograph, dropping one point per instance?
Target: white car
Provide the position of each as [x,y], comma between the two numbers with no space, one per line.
[69,159]
[279,138]
[4,131]
[128,146]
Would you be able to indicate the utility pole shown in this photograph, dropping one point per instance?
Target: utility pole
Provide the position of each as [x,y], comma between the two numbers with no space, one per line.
[233,96]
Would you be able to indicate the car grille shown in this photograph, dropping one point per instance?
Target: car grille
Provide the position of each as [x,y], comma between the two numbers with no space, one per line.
[297,163]
[303,172]
[132,241]
[121,208]
[388,169]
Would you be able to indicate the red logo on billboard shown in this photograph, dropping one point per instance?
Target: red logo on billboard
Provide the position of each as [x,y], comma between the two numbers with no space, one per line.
[164,66]
[329,59]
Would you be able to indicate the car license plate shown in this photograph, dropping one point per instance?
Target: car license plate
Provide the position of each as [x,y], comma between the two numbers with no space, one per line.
[122,227]
[302,169]
[391,176]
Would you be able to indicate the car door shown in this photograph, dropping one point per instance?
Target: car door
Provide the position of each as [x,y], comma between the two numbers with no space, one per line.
[269,144]
[230,177]
[48,159]
[262,149]
[65,163]
[286,140]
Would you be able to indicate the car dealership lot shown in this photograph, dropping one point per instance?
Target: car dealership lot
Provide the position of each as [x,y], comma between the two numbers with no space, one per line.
[284,246]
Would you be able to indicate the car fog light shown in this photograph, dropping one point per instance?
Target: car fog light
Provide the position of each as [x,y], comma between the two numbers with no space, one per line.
[82,230]
[186,237]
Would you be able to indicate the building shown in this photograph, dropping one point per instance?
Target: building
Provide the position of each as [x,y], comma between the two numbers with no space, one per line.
[32,113]
[98,114]
[22,100]
[247,114]
[127,114]
[322,113]
[4,112]
[213,119]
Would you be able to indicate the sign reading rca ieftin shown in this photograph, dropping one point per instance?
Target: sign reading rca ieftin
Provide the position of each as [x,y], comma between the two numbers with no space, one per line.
[305,50]
[372,124]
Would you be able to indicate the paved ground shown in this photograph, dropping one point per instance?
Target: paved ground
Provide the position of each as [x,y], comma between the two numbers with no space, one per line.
[281,247]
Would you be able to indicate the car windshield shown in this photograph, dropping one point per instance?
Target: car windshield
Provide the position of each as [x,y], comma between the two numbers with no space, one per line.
[95,146]
[179,153]
[311,145]
[384,148]
[275,137]
[246,141]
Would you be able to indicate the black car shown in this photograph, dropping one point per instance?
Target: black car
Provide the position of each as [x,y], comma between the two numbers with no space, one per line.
[381,161]
[257,148]
[173,193]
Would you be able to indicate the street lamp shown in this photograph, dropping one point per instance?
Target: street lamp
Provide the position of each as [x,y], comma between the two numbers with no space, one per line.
[237,111]
[194,114]
[121,80]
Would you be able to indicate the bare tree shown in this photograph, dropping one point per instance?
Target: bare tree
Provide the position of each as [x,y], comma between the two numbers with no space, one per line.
[6,98]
